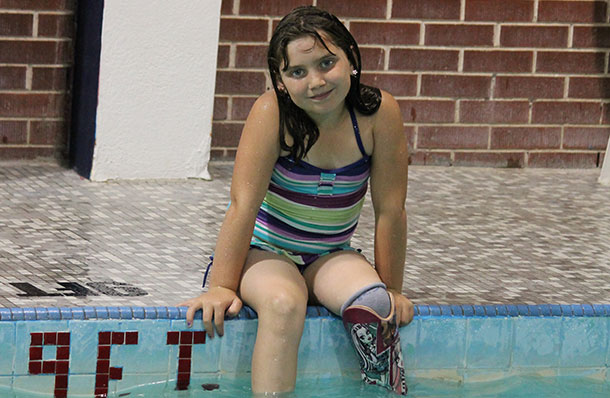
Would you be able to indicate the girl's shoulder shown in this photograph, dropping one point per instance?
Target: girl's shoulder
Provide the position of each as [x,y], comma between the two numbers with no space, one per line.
[388,107]
[259,138]
[387,124]
[266,111]
[388,113]
[263,119]
[264,115]
[266,106]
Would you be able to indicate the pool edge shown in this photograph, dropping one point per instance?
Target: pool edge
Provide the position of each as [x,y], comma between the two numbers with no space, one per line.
[420,310]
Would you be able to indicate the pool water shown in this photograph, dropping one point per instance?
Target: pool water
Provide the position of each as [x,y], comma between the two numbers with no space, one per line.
[515,387]
[334,387]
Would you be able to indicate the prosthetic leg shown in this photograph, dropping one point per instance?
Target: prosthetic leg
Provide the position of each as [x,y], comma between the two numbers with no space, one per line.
[377,343]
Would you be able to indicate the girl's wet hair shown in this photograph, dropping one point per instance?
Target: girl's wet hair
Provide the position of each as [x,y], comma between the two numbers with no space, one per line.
[321,25]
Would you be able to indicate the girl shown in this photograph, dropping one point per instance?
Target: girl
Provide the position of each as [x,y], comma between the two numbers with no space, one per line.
[304,159]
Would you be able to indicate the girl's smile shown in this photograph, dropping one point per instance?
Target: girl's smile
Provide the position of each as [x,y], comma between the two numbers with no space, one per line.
[323,96]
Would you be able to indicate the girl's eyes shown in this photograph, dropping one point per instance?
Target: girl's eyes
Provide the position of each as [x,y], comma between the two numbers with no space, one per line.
[297,73]
[327,63]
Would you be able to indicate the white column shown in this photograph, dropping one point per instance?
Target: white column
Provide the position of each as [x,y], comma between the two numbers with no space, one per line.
[604,177]
[156,89]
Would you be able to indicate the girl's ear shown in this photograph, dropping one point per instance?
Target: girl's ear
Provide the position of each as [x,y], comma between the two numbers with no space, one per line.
[353,53]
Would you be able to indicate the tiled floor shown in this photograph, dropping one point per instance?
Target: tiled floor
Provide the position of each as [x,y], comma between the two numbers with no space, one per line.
[476,236]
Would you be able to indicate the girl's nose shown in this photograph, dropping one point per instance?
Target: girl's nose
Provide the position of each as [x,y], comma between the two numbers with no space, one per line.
[317,80]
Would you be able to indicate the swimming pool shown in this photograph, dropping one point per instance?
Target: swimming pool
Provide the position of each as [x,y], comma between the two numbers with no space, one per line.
[449,351]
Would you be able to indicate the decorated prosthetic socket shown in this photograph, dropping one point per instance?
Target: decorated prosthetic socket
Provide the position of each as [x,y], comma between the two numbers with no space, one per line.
[377,343]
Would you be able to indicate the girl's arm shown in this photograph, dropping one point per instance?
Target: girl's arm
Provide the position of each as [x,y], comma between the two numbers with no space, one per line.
[389,172]
[257,153]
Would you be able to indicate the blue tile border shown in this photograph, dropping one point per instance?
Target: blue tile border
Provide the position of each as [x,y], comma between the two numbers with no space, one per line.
[598,310]
[479,310]
[421,310]
[89,312]
[54,314]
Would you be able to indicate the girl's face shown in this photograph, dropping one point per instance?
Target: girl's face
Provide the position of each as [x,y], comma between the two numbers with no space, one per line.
[316,80]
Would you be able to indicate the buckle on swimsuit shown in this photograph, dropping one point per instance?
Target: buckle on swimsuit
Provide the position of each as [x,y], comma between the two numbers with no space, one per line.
[326,183]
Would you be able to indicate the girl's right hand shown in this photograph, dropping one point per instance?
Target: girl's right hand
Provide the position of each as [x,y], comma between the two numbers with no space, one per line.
[214,304]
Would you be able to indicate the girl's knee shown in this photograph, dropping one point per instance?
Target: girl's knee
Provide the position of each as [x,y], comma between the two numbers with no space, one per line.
[282,314]
[286,304]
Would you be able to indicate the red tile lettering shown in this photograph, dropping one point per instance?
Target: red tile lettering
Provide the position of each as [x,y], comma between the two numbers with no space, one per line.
[105,372]
[36,339]
[185,351]
[186,337]
[118,338]
[116,373]
[63,338]
[50,338]
[199,337]
[35,367]
[35,353]
[184,365]
[48,367]
[131,338]
[60,367]
[173,338]
[61,393]
[103,352]
[63,352]
[61,382]
[185,340]
[104,338]
[103,366]
[101,381]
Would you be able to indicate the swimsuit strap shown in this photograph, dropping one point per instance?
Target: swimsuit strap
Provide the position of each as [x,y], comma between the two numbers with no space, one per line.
[357,131]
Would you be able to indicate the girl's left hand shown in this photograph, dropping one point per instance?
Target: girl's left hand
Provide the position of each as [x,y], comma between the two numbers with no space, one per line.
[403,308]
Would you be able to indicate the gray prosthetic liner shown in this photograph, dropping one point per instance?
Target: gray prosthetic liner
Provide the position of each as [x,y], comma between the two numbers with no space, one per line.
[373,296]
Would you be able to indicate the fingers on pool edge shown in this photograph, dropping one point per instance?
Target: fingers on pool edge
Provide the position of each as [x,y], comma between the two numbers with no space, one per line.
[190,313]
[234,308]
[207,318]
[219,319]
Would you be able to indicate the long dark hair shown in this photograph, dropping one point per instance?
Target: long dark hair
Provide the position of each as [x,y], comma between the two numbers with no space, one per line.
[311,21]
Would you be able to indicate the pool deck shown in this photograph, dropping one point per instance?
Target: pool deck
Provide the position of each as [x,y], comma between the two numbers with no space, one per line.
[475,236]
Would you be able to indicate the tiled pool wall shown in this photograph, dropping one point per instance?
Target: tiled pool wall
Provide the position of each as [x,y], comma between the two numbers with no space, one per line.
[89,351]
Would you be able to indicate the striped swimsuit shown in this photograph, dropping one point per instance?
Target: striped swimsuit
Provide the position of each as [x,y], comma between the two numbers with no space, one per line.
[308,211]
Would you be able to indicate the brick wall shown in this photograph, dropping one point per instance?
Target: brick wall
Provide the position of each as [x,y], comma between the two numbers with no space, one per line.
[503,83]
[35,66]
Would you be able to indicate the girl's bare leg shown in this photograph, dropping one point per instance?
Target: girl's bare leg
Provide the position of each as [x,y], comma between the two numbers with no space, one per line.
[274,288]
[334,278]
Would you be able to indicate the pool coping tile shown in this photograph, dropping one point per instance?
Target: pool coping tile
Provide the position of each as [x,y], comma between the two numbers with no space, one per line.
[420,310]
